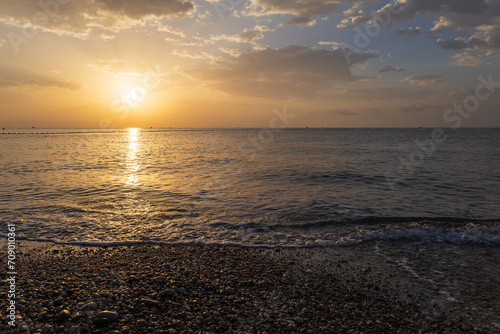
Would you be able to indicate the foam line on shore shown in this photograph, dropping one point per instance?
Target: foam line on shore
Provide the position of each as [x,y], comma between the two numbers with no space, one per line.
[473,235]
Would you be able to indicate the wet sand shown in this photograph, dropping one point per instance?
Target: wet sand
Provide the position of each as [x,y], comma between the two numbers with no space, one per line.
[384,287]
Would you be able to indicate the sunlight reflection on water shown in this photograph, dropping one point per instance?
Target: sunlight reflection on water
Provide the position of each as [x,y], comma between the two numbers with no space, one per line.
[132,169]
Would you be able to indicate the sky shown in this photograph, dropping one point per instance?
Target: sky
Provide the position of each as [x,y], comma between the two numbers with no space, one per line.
[237,63]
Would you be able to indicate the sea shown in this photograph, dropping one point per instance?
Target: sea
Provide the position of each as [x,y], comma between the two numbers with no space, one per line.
[260,187]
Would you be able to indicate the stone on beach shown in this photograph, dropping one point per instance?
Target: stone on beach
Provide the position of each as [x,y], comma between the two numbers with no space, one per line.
[105,317]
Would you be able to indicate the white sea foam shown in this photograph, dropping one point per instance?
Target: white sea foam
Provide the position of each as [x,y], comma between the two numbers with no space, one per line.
[470,234]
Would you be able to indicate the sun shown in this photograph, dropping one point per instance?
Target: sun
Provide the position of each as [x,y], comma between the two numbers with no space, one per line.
[135,96]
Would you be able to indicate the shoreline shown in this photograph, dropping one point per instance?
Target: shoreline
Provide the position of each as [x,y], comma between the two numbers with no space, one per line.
[374,287]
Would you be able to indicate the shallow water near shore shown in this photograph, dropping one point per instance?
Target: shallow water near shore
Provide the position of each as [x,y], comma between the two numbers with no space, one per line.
[249,187]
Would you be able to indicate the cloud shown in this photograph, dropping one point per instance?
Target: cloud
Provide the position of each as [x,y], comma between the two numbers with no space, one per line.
[425,79]
[232,52]
[382,93]
[389,68]
[81,18]
[294,71]
[452,44]
[469,59]
[302,10]
[186,54]
[171,30]
[144,8]
[481,15]
[40,84]
[125,69]
[486,38]
[247,36]
[472,12]
[175,41]
[408,31]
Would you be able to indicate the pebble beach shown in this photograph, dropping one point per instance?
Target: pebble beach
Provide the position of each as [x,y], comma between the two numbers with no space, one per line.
[147,288]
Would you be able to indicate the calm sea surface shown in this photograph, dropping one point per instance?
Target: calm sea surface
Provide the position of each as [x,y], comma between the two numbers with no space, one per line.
[295,187]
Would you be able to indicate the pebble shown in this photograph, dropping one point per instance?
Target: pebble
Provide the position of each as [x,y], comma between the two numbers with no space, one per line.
[63,315]
[109,316]
[58,302]
[151,302]
[46,329]
[159,279]
[228,290]
[167,293]
[74,330]
[88,306]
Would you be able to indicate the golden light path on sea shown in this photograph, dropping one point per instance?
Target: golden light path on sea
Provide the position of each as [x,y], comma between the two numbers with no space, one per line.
[132,162]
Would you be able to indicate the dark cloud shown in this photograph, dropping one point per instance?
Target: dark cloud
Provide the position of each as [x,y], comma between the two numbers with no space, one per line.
[452,44]
[80,18]
[302,10]
[408,31]
[294,71]
[406,10]
[389,68]
[139,9]
[460,43]
[451,15]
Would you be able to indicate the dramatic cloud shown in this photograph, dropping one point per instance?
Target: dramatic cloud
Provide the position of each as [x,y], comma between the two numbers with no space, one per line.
[40,84]
[456,15]
[447,11]
[425,79]
[294,71]
[408,31]
[302,10]
[80,18]
[487,38]
[389,68]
